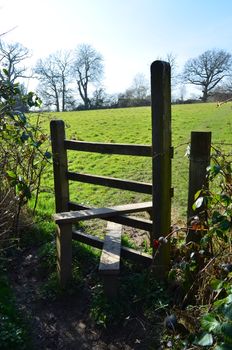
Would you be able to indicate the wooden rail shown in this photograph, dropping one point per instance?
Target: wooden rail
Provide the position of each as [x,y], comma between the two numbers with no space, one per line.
[127,253]
[109,148]
[132,221]
[126,185]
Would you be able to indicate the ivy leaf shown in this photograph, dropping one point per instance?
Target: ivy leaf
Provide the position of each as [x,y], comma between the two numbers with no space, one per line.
[226,310]
[216,284]
[224,301]
[226,329]
[210,323]
[223,346]
[205,339]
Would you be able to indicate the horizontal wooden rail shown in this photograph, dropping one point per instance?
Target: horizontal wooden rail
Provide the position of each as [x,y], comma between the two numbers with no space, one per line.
[132,221]
[127,185]
[128,253]
[109,148]
[71,217]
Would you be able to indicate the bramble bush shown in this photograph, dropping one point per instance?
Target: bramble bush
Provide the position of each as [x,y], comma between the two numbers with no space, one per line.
[23,156]
[202,270]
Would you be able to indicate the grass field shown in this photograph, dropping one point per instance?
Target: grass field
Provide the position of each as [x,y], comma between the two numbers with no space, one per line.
[132,125]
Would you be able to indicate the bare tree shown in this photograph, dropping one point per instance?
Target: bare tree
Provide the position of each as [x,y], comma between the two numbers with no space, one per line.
[12,56]
[171,59]
[54,75]
[88,69]
[208,70]
[140,86]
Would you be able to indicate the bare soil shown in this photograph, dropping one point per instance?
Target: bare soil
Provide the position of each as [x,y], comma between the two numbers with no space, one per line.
[65,323]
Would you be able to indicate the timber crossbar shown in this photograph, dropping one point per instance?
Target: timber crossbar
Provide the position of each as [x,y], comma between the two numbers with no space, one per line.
[72,217]
[126,185]
[160,151]
[109,148]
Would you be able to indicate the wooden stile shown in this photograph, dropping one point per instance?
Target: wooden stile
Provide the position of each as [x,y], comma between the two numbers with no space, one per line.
[160,207]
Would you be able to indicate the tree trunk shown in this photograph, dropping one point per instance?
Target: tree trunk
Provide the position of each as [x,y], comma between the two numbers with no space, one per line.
[63,94]
[205,94]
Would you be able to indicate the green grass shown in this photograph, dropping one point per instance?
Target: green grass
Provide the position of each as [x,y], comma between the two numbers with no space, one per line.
[132,125]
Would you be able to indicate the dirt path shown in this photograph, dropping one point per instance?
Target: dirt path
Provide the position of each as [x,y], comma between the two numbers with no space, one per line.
[65,324]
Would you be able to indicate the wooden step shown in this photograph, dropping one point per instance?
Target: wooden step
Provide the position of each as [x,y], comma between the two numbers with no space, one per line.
[72,217]
[109,266]
[110,256]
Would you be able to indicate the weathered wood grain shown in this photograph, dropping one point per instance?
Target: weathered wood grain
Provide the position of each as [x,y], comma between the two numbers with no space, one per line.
[110,256]
[71,217]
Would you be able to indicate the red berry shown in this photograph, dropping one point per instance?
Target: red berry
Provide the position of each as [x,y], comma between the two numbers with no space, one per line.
[156,243]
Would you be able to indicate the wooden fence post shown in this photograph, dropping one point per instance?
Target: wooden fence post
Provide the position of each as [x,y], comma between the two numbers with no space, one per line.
[60,165]
[199,161]
[64,232]
[161,161]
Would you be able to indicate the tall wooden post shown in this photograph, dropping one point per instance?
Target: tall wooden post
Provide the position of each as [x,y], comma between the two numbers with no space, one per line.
[60,165]
[199,161]
[161,160]
[64,232]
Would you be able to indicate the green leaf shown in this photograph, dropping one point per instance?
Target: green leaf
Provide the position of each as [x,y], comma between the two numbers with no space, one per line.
[226,329]
[223,346]
[210,323]
[205,339]
[226,311]
[216,284]
[197,194]
[11,174]
[225,225]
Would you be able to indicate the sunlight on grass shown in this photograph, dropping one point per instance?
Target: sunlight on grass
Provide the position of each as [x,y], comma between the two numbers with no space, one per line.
[131,125]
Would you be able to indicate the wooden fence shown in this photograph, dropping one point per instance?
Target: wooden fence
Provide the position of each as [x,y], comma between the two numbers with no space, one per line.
[161,151]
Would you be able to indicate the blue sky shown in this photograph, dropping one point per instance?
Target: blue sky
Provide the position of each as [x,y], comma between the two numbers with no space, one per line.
[130,34]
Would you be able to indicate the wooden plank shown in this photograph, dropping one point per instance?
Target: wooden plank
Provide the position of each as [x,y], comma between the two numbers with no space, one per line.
[110,256]
[127,185]
[109,148]
[132,221]
[75,216]
[59,165]
[161,158]
[128,253]
[199,161]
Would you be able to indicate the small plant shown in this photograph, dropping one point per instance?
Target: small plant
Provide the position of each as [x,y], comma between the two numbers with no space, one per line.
[217,323]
